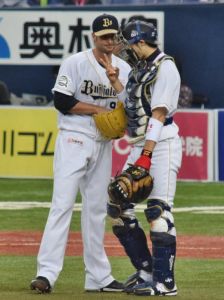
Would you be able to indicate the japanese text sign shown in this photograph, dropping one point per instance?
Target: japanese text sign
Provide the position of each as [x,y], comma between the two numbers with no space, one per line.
[47,37]
[196,135]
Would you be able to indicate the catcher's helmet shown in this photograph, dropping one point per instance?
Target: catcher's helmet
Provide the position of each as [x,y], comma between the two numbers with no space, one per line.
[137,30]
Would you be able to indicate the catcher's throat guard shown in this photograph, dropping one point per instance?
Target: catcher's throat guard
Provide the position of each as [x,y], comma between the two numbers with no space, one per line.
[134,185]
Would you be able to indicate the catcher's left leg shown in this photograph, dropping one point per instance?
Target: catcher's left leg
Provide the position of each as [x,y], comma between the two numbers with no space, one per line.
[132,237]
[163,237]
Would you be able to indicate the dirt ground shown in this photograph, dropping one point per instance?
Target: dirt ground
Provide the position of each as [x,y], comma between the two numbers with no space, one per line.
[27,243]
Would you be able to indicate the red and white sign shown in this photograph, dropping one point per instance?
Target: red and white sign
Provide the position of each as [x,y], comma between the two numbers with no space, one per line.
[196,133]
[121,149]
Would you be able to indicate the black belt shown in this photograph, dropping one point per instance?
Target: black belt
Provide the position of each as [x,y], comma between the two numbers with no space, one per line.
[168,121]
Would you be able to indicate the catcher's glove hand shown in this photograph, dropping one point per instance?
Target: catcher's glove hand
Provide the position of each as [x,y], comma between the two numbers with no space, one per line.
[112,124]
[133,185]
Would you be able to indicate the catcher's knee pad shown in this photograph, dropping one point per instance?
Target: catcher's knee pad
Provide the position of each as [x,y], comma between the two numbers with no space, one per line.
[133,239]
[160,217]
[114,210]
[155,209]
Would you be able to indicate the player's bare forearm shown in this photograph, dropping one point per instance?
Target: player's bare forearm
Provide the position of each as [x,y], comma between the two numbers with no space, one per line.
[82,108]
[149,145]
[118,86]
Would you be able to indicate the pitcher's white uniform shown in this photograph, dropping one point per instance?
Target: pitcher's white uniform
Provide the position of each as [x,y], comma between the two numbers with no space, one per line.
[82,161]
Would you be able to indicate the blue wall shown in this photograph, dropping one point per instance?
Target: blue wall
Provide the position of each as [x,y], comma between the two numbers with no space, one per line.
[193,33]
[37,80]
[221,145]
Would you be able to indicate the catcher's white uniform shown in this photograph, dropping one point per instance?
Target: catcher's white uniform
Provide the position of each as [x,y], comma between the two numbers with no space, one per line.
[167,155]
[82,162]
[156,92]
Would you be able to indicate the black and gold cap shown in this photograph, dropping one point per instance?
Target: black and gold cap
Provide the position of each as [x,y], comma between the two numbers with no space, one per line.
[105,24]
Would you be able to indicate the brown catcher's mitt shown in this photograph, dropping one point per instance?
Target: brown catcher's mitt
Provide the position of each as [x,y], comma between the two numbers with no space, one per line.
[112,124]
[133,185]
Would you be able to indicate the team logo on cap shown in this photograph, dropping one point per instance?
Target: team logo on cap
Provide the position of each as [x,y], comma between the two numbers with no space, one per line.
[134,33]
[107,22]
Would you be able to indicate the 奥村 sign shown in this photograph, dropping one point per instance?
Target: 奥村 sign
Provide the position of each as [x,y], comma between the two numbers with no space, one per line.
[47,37]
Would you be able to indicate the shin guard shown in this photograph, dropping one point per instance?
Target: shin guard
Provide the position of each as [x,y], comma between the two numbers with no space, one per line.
[163,253]
[133,239]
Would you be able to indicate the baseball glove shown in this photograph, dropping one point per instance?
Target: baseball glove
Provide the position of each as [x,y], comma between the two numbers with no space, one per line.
[133,185]
[112,124]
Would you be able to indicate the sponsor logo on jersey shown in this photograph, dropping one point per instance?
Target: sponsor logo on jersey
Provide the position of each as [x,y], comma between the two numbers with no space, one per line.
[71,140]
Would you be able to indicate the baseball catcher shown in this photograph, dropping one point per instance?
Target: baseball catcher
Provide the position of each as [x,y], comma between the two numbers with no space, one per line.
[151,98]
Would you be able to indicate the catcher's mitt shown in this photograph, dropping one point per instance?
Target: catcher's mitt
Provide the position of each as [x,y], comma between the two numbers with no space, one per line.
[112,124]
[133,185]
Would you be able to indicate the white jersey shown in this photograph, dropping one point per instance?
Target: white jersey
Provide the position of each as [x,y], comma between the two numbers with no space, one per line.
[83,77]
[165,93]
[160,90]
[155,85]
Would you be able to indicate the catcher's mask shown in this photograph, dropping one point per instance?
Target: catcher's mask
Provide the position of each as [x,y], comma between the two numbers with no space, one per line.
[125,52]
[137,30]
[132,33]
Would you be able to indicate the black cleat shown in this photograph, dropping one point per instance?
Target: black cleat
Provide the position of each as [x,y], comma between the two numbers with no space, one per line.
[41,285]
[136,279]
[114,286]
[156,289]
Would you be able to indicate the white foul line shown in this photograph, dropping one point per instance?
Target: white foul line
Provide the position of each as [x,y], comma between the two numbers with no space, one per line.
[15,205]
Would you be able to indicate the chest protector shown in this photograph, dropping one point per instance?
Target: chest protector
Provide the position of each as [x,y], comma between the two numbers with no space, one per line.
[138,103]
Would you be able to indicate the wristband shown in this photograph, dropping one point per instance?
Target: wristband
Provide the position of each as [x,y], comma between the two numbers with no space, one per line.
[144,160]
[153,130]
